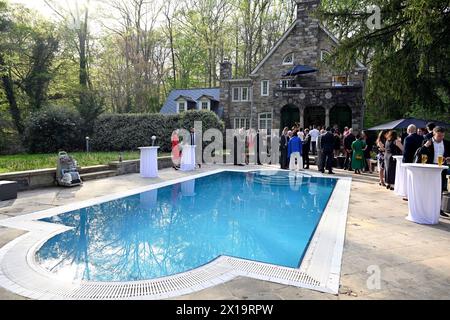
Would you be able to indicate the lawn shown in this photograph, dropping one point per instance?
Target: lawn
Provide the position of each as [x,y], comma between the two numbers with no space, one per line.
[23,162]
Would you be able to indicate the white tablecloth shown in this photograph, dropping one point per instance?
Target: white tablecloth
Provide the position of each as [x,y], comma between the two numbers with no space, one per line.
[424,192]
[401,178]
[149,162]
[188,158]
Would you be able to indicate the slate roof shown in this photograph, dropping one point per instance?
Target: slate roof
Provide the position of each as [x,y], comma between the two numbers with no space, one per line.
[170,106]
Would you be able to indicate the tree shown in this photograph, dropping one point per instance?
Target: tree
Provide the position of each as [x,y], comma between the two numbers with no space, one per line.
[407,55]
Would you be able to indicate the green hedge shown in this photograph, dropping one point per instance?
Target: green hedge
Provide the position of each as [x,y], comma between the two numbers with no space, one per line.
[118,132]
[53,129]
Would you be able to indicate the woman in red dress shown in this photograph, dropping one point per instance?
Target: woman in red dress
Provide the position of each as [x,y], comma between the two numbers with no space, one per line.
[176,154]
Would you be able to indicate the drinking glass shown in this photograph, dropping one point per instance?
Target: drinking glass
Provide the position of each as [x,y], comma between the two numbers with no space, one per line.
[424,159]
[440,160]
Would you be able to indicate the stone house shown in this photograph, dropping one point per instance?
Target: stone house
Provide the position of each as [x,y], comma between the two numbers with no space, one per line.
[292,84]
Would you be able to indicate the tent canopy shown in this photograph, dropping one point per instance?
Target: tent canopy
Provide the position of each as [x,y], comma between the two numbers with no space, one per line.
[405,123]
[299,69]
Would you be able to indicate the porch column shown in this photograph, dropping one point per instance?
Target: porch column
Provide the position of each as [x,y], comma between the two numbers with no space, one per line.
[302,117]
[327,117]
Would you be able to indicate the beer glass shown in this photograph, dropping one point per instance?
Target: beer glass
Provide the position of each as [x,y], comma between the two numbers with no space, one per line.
[440,161]
[424,159]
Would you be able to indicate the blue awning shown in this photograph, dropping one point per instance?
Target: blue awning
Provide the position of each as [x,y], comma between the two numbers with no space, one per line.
[299,69]
[404,123]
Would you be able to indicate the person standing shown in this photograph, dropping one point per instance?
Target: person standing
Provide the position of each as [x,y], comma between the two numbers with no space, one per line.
[314,136]
[393,148]
[176,152]
[327,145]
[337,143]
[430,128]
[294,152]
[358,161]
[413,142]
[381,144]
[348,141]
[284,140]
[367,151]
[306,148]
[434,148]
[193,142]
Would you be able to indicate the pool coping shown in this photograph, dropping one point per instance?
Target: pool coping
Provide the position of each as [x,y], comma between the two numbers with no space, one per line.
[320,268]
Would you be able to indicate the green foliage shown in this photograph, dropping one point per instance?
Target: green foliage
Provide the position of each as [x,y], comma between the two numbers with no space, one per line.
[90,106]
[209,120]
[53,129]
[119,132]
[24,162]
[407,57]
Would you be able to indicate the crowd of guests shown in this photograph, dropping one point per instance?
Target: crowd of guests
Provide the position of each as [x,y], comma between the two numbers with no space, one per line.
[417,145]
[327,143]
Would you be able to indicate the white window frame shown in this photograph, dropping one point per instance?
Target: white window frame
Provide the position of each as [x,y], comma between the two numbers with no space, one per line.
[233,97]
[289,63]
[267,118]
[208,102]
[245,89]
[239,123]
[265,94]
[184,102]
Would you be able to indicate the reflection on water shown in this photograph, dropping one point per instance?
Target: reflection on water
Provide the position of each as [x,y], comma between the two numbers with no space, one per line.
[180,227]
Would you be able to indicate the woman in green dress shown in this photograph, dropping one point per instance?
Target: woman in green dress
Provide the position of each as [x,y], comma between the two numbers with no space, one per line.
[358,161]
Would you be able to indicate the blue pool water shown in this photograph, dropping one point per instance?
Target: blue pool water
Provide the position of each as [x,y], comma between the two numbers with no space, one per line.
[183,226]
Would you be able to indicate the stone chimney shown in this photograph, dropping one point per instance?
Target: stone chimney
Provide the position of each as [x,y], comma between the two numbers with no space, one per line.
[306,7]
[226,70]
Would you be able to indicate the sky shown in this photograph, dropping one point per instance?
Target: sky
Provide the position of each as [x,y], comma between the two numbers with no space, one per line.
[95,5]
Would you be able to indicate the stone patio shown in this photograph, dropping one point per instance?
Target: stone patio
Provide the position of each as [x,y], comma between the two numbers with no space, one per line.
[414,260]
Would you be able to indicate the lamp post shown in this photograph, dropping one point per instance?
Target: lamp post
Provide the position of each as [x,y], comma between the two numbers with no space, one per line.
[153,140]
[87,144]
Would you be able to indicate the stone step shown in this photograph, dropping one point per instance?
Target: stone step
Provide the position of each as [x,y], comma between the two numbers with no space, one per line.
[92,169]
[98,175]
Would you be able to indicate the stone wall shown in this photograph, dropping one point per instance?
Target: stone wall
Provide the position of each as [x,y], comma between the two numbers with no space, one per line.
[34,179]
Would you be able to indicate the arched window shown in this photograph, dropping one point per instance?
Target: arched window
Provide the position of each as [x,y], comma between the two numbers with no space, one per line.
[288,59]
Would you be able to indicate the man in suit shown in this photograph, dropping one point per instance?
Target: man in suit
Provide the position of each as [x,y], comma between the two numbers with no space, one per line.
[412,143]
[434,148]
[327,145]
[306,149]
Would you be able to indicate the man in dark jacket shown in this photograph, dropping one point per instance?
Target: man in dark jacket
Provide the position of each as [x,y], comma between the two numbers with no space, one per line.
[434,148]
[412,143]
[327,144]
[348,141]
[306,149]
[430,128]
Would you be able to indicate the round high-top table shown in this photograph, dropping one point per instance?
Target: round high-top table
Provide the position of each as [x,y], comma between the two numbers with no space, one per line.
[401,178]
[424,192]
[149,162]
[188,158]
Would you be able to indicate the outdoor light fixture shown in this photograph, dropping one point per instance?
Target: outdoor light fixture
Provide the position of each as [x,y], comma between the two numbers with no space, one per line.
[153,141]
[87,144]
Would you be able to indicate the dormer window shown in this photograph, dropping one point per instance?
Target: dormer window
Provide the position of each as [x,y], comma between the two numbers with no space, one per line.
[182,106]
[288,59]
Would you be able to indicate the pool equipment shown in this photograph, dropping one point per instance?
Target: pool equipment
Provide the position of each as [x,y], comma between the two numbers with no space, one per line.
[67,174]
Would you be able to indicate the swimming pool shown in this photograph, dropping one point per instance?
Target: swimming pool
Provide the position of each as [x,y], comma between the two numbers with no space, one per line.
[268,217]
[184,235]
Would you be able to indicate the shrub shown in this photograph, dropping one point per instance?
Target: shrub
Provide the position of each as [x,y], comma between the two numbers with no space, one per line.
[53,129]
[209,120]
[119,132]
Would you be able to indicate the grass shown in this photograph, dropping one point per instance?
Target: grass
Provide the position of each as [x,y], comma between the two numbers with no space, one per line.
[24,162]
